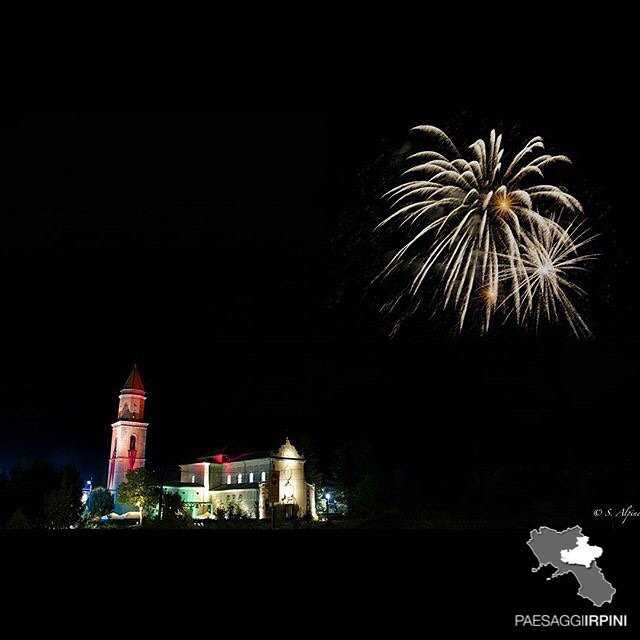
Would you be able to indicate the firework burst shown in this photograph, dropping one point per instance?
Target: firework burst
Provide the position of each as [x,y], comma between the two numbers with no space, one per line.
[487,234]
[550,261]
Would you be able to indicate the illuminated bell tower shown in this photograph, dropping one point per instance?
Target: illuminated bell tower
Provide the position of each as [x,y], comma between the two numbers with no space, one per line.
[128,433]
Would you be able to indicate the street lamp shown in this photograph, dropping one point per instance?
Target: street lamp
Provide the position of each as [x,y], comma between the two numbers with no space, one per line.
[327,497]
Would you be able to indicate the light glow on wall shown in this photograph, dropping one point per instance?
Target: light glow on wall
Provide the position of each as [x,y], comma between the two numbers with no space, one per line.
[288,490]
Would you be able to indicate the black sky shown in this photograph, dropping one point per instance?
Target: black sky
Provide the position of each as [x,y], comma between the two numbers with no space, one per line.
[211,248]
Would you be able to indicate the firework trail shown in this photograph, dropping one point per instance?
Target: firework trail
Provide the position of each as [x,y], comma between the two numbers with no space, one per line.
[487,234]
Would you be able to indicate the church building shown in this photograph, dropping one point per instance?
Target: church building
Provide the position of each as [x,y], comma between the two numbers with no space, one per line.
[252,483]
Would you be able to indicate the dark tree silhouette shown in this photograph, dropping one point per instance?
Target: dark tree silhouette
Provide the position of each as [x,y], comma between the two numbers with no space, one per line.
[100,502]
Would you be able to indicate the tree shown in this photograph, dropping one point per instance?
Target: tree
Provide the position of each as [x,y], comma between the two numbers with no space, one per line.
[173,507]
[6,496]
[358,479]
[140,489]
[26,489]
[47,497]
[62,508]
[235,509]
[100,502]
[220,513]
[18,520]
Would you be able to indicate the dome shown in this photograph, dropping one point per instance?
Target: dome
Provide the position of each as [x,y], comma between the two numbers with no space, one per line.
[287,450]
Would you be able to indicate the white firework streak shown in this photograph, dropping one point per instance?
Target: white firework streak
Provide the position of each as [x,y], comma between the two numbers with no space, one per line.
[549,263]
[480,224]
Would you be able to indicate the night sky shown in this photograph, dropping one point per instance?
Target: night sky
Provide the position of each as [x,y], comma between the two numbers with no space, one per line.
[226,254]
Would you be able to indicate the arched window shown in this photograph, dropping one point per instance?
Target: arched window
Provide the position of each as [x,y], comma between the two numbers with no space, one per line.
[132,443]
[229,479]
[251,477]
[239,478]
[263,476]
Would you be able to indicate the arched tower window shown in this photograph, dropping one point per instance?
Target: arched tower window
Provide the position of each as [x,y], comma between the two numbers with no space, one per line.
[132,443]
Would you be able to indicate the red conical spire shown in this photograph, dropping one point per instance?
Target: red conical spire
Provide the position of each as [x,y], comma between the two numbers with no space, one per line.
[134,381]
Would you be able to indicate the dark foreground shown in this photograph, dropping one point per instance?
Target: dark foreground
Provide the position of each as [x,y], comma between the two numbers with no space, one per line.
[453,580]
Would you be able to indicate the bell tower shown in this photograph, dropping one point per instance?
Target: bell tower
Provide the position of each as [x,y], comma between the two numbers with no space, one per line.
[128,433]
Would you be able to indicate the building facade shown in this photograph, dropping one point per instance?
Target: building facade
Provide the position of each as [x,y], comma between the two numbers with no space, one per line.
[252,483]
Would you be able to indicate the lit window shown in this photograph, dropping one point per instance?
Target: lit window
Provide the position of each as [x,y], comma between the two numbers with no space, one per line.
[229,479]
[193,479]
[251,477]
[263,476]
[239,478]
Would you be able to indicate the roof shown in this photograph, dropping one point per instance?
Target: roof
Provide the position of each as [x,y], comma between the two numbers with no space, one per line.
[183,485]
[134,381]
[223,458]
[236,487]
